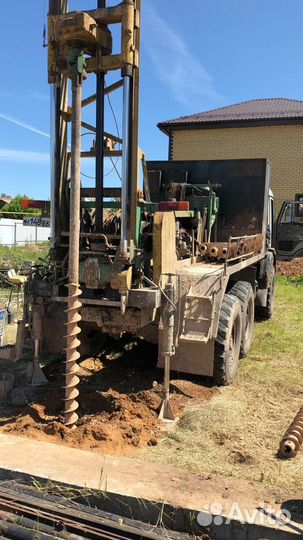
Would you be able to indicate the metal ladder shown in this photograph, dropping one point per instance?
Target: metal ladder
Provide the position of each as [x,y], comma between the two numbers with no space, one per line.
[198,318]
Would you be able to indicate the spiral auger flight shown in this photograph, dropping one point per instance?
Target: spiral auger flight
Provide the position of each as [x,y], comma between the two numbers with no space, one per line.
[77,67]
[293,438]
[72,355]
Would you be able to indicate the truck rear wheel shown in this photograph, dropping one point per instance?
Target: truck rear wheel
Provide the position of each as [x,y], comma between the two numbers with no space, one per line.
[244,291]
[228,341]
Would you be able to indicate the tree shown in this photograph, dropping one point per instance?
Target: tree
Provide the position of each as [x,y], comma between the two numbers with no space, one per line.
[15,209]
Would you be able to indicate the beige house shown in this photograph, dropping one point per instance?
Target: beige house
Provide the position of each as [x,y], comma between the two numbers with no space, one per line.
[263,128]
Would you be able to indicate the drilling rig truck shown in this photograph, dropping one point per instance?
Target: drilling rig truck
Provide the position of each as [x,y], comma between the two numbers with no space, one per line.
[182,257]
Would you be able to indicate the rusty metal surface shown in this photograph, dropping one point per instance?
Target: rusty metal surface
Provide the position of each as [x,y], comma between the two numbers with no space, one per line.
[72,355]
[73,314]
[293,438]
[113,322]
[27,514]
[235,248]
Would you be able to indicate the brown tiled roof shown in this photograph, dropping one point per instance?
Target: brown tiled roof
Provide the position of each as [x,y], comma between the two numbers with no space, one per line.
[6,200]
[277,110]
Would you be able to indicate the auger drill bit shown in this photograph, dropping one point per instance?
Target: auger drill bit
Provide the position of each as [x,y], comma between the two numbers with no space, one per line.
[293,438]
[77,66]
[72,355]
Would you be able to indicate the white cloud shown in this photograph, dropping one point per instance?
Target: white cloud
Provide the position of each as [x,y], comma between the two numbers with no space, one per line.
[23,156]
[25,125]
[174,63]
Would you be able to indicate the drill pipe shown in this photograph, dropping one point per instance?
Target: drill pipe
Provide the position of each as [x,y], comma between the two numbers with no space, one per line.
[203,249]
[293,438]
[73,315]
[214,251]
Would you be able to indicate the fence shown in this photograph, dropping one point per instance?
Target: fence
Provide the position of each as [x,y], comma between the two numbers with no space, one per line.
[14,233]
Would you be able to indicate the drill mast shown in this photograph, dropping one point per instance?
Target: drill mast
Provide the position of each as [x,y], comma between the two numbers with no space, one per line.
[81,44]
[91,32]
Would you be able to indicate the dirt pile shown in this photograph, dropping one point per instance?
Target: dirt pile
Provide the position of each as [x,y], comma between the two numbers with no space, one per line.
[119,402]
[292,269]
[108,421]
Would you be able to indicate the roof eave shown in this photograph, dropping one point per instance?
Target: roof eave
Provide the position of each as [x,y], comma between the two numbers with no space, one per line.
[167,127]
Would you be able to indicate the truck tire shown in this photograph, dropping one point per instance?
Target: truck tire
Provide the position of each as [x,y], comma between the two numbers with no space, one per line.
[265,313]
[228,341]
[244,291]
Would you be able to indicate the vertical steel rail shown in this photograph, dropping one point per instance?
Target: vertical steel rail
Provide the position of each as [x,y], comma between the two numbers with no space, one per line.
[99,185]
[56,163]
[53,146]
[125,164]
[134,178]
[73,315]
[56,7]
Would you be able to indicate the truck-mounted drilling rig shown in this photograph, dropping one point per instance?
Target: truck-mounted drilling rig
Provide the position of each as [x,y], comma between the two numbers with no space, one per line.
[184,261]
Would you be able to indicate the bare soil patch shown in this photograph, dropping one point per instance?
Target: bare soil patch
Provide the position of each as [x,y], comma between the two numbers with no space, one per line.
[120,398]
[290,269]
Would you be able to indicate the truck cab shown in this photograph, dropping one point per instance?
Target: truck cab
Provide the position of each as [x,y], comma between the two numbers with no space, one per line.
[289,230]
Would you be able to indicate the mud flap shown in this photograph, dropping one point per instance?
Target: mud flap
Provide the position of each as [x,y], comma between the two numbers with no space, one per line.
[261,297]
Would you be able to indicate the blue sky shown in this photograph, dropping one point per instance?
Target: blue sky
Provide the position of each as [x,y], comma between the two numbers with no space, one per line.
[196,55]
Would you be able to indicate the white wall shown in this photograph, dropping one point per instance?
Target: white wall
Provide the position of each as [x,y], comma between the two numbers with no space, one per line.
[13,232]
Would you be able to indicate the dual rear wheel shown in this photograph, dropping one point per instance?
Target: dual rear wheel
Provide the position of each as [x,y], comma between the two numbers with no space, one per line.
[235,332]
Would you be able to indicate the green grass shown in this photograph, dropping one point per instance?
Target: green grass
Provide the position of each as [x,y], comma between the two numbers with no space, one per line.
[19,256]
[237,432]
